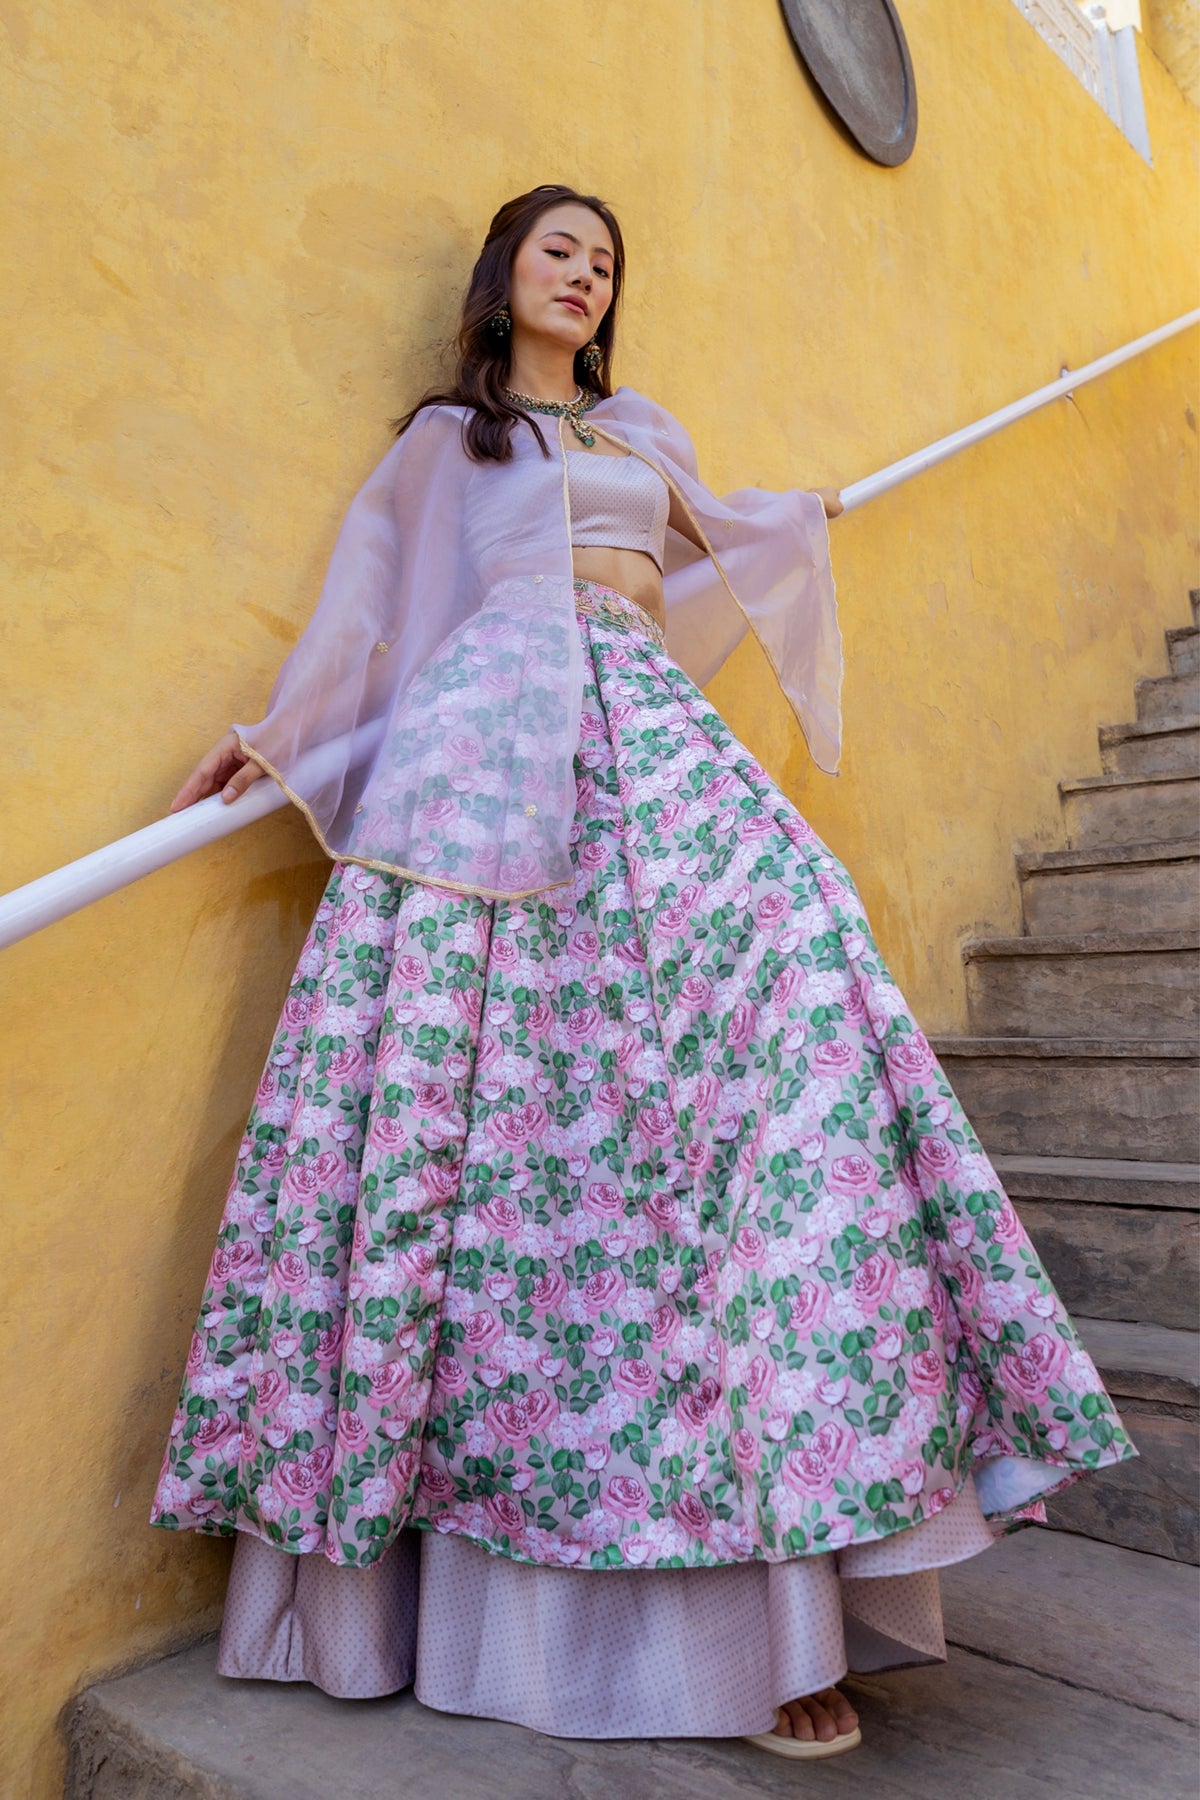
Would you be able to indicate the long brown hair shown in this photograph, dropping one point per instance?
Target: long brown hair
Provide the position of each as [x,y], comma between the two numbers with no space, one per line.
[484,355]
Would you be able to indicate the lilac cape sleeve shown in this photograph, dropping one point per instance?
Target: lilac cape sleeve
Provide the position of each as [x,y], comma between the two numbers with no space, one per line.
[426,721]
[769,571]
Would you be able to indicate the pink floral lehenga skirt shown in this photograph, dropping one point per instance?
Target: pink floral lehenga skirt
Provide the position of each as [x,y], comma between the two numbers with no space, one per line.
[614,1321]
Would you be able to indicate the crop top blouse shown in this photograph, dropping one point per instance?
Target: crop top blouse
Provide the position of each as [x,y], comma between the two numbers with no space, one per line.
[619,502]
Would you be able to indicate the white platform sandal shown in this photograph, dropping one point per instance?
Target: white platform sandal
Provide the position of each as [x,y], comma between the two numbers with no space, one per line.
[804,1748]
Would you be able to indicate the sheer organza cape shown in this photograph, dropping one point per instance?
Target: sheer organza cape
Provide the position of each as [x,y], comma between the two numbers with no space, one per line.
[427,719]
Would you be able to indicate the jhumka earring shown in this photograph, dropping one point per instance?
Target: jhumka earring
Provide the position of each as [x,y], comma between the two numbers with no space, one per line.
[501,322]
[593,356]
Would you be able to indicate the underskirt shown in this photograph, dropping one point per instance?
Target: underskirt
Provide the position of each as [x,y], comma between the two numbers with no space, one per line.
[576,1653]
[629,1230]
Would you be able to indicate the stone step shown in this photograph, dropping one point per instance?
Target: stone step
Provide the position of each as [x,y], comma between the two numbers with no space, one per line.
[1128,1098]
[1094,1615]
[1149,1504]
[1138,748]
[1119,1262]
[1086,984]
[1167,699]
[1183,649]
[1068,1674]
[1130,809]
[1115,887]
[1103,1181]
[1118,1242]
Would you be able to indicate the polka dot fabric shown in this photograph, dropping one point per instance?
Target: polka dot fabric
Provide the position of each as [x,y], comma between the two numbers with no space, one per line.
[596,1654]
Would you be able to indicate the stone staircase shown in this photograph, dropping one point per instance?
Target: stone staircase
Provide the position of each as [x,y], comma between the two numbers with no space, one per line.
[1081,1080]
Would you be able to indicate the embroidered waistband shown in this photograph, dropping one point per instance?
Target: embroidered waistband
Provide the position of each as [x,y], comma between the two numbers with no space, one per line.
[596,600]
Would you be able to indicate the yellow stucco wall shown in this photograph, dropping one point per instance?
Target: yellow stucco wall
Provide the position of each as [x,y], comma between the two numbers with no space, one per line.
[234,239]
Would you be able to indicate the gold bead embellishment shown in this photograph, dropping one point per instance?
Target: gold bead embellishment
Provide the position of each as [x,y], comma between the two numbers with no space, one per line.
[529,811]
[381,647]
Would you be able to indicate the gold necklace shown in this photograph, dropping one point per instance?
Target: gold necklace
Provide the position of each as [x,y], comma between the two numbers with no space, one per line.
[563,409]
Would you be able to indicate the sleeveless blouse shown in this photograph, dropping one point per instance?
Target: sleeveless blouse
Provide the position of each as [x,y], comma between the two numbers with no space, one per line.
[618,502]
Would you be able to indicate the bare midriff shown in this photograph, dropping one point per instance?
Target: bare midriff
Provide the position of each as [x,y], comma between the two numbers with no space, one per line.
[631,572]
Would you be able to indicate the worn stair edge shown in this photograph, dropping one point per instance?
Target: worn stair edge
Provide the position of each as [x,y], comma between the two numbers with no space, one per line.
[1089,784]
[1124,731]
[1107,856]
[1100,1180]
[1084,943]
[1144,1362]
[1101,1049]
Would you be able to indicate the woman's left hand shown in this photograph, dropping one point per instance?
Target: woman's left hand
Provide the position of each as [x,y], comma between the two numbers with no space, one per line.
[830,500]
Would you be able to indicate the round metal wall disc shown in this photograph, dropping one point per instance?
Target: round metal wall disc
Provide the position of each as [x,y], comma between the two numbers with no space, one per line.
[856,52]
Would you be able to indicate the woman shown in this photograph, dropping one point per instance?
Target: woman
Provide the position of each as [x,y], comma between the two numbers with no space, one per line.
[610,1278]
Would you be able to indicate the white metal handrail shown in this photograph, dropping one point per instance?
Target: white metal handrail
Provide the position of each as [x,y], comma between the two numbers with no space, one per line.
[64,891]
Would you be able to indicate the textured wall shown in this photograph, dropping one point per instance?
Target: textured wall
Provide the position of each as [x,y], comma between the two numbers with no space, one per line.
[234,240]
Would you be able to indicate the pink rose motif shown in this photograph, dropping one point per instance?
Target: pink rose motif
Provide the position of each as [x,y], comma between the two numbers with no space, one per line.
[345,1064]
[285,1344]
[601,1290]
[962,1233]
[608,1098]
[853,1174]
[387,1133]
[583,1024]
[210,1434]
[625,1496]
[499,1287]
[440,1179]
[592,855]
[500,1214]
[836,1444]
[927,1373]
[451,1375]
[480,1331]
[633,1375]
[514,1130]
[788,985]
[603,1200]
[889,1345]
[910,1059]
[696,1408]
[464,747]
[695,993]
[749,1248]
[1007,1227]
[970,1285]
[291,1271]
[518,1419]
[911,1476]
[836,1057]
[938,1158]
[420,1262]
[672,920]
[872,1281]
[692,1514]
[742,1021]
[628,951]
[388,1382]
[435,1482]
[662,1209]
[939,1500]
[401,1469]
[771,908]
[352,1431]
[760,1379]
[664,1326]
[328,1347]
[657,1123]
[746,1451]
[410,969]
[431,1099]
[1034,1365]
[808,1307]
[698,1158]
[269,1389]
[539,1019]
[547,1291]
[505,1513]
[504,952]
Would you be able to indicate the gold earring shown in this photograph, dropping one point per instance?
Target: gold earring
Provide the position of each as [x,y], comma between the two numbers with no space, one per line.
[593,356]
[501,322]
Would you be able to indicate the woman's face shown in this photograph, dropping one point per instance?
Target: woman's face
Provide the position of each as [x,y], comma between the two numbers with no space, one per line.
[562,277]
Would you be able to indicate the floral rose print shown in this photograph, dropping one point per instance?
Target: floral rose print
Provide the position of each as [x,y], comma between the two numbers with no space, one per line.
[634,1224]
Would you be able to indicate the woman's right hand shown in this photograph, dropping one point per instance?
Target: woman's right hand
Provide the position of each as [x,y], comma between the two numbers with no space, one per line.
[226,770]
